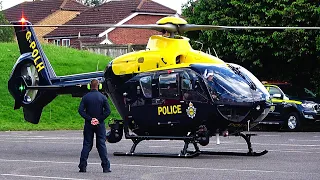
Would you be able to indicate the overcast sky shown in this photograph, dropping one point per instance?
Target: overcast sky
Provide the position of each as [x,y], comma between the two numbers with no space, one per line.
[173,4]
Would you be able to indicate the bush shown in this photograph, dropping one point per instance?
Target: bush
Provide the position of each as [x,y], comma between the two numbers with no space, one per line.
[6,33]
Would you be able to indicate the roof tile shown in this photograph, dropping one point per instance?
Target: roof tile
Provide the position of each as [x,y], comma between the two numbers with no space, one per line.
[110,12]
[150,6]
[72,5]
[35,11]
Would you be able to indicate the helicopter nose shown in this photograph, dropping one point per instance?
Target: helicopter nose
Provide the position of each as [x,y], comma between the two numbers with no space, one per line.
[254,108]
[240,113]
[259,112]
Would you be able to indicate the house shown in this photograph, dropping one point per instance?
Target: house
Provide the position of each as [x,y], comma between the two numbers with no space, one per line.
[45,12]
[112,12]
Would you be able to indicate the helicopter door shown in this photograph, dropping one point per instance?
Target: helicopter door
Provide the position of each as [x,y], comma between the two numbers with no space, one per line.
[169,107]
[139,101]
[194,97]
[155,104]
[193,88]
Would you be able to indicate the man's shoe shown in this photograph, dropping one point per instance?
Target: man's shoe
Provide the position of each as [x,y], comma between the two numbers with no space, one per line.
[83,170]
[106,170]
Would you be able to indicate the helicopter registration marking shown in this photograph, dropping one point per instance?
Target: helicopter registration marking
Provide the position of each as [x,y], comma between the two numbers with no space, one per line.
[166,110]
[35,52]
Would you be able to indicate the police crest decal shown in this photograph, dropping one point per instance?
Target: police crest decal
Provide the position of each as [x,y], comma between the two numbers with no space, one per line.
[191,110]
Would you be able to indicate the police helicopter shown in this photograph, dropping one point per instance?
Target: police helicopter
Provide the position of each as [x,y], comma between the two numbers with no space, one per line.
[167,91]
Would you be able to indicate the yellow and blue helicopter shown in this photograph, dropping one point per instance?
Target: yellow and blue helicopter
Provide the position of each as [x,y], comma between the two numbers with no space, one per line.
[167,91]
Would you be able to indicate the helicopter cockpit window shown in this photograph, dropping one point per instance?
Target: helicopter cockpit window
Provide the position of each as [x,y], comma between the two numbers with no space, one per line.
[145,83]
[224,85]
[191,88]
[186,81]
[168,84]
[215,88]
[256,85]
[186,84]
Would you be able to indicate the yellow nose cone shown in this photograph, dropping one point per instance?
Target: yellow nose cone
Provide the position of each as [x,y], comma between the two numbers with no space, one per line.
[172,20]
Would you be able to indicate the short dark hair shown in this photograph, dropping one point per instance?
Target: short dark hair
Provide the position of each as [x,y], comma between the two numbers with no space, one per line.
[94,84]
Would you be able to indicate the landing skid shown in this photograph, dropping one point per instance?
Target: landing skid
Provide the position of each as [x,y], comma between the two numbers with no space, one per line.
[184,152]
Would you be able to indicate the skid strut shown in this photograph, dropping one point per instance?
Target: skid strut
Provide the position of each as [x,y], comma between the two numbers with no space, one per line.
[247,138]
[184,152]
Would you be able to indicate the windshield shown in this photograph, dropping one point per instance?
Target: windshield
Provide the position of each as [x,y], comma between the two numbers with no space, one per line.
[295,91]
[233,88]
[225,85]
[260,92]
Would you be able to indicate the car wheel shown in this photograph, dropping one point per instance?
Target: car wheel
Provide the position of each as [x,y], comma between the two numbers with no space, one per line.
[293,121]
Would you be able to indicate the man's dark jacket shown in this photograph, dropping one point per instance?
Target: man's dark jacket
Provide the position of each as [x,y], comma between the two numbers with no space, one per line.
[94,105]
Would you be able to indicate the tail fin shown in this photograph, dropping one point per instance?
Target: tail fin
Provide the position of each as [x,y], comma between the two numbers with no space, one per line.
[28,43]
[33,83]
[31,69]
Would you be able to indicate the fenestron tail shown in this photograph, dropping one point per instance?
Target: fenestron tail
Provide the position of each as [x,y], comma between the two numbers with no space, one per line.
[33,82]
[31,69]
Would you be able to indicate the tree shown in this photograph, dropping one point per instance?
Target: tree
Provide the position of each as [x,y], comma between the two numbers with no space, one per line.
[92,2]
[280,55]
[6,33]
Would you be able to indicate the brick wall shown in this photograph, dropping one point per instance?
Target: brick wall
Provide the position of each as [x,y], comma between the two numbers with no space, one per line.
[135,36]
[58,17]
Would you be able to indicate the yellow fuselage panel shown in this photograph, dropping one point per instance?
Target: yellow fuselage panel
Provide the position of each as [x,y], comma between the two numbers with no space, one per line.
[161,52]
[195,56]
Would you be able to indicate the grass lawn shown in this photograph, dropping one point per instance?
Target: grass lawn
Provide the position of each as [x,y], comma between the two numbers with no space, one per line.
[62,112]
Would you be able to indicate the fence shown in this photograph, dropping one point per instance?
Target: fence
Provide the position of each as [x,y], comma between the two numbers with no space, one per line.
[113,50]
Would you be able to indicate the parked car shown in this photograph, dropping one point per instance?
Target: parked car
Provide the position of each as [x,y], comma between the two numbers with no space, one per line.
[293,106]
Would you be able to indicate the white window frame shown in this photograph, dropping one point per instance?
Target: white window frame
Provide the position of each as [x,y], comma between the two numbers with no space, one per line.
[57,42]
[65,42]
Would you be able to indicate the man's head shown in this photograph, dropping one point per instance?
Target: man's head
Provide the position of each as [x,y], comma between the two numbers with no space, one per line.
[210,78]
[94,84]
[210,75]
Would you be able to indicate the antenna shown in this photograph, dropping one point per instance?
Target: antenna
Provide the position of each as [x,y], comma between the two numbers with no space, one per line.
[215,52]
[209,51]
[200,43]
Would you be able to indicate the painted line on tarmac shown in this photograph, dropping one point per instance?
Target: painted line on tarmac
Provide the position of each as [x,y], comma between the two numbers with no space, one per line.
[269,135]
[43,177]
[33,161]
[305,140]
[11,135]
[42,138]
[41,142]
[171,167]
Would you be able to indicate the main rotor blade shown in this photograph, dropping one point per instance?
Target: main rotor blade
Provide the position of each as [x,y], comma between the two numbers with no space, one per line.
[166,27]
[194,27]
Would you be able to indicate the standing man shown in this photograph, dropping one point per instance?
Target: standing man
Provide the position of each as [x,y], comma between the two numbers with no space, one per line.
[94,108]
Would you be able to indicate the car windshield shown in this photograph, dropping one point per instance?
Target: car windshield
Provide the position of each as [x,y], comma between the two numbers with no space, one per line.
[295,91]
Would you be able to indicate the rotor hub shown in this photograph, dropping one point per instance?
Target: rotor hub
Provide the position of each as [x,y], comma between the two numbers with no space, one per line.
[171,20]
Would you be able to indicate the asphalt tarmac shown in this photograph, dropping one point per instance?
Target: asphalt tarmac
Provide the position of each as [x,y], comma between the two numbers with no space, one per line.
[55,155]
